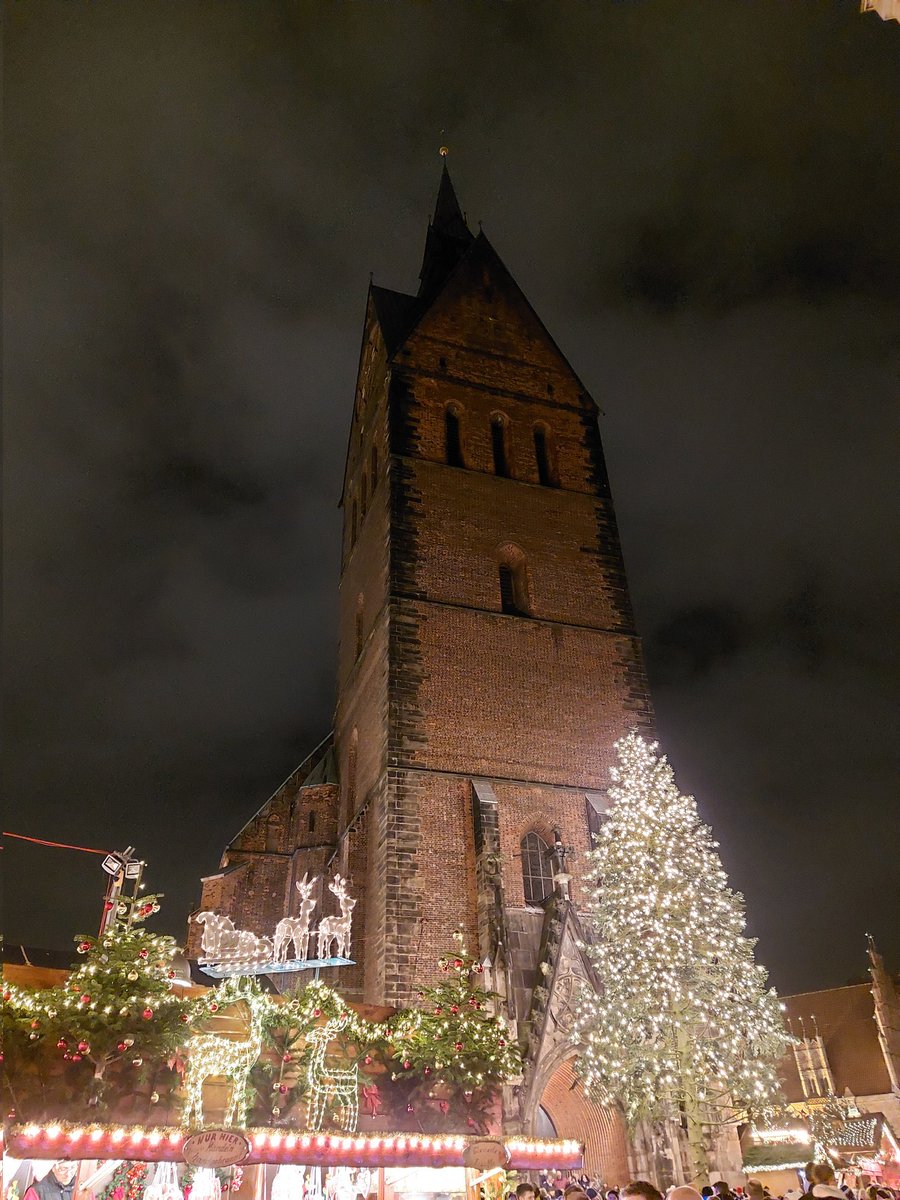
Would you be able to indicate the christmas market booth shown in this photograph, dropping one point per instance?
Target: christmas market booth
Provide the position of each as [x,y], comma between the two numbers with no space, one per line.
[122,1081]
[829,1129]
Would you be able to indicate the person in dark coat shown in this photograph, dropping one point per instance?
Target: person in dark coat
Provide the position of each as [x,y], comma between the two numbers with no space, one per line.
[57,1184]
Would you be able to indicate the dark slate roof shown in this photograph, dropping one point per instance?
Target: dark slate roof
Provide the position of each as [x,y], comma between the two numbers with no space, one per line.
[325,770]
[845,1017]
[396,312]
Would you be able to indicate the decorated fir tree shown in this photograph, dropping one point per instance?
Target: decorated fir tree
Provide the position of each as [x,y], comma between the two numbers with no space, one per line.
[452,1049]
[118,1005]
[682,1023]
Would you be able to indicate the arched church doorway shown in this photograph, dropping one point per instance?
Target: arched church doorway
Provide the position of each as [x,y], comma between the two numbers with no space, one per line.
[564,1106]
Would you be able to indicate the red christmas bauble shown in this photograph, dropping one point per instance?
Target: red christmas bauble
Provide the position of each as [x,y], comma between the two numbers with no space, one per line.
[170,974]
[473,1003]
[83,1047]
[457,962]
[76,1058]
[214,1007]
[283,1089]
[454,1008]
[502,1042]
[108,905]
[143,953]
[317,1012]
[7,995]
[406,1064]
[457,1045]
[85,999]
[367,1060]
[61,1044]
[428,1070]
[35,1024]
[285,1058]
[147,1014]
[184,1018]
[122,1047]
[83,947]
[438,1011]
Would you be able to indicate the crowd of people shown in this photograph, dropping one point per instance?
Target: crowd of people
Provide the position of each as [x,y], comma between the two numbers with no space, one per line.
[819,1178]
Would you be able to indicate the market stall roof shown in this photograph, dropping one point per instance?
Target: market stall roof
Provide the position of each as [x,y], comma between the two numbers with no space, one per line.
[55,1140]
[775,1156]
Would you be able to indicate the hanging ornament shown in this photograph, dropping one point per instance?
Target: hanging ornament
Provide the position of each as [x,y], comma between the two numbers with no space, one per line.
[147,1014]
[285,1058]
[62,1044]
[154,1097]
[124,1012]
[76,1058]
[128,1041]
[86,999]
[184,1017]
[84,1047]
[122,1047]
[276,1111]
[143,953]
[132,976]
[34,1036]
[35,1024]
[83,947]
[137,1062]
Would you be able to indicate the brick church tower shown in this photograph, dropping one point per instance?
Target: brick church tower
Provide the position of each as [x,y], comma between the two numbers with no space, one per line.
[488,661]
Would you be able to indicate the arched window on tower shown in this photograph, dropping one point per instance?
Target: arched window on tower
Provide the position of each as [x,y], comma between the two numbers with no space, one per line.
[452,438]
[360,608]
[350,792]
[513,572]
[272,833]
[537,868]
[499,442]
[544,453]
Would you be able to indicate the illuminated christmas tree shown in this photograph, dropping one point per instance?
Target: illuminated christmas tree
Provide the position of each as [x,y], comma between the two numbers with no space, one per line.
[682,1024]
[118,1006]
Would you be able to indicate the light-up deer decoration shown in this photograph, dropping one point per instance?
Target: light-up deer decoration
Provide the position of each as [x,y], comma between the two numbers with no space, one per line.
[337,929]
[294,931]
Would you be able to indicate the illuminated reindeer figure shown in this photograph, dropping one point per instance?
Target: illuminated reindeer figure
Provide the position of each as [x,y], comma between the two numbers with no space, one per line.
[210,1055]
[326,1084]
[337,929]
[294,931]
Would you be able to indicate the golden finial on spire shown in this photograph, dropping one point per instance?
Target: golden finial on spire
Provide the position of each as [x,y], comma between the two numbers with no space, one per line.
[444,151]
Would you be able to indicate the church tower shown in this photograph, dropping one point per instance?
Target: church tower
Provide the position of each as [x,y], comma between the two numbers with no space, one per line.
[488,657]
[488,662]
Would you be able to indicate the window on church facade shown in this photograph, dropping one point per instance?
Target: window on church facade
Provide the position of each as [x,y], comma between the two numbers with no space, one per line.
[452,439]
[544,456]
[537,868]
[514,600]
[272,832]
[499,446]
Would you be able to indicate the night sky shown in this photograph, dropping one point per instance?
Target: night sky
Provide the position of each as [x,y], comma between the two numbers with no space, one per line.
[701,201]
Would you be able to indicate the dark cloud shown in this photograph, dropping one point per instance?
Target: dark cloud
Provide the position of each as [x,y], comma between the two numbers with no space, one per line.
[699,201]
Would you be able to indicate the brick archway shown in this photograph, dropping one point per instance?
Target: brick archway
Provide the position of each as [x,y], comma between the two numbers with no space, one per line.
[600,1128]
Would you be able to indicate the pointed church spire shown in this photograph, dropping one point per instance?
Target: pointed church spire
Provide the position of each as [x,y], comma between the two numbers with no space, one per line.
[448,238]
[448,216]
